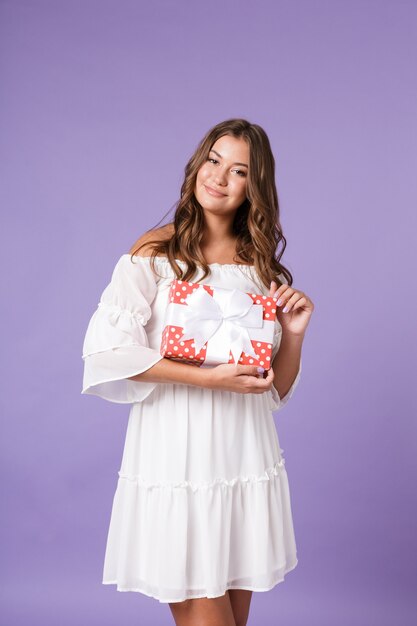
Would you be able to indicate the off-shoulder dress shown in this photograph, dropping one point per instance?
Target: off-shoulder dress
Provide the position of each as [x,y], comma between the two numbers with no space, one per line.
[202,501]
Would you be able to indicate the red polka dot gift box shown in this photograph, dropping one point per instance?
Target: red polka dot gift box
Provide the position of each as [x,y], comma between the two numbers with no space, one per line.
[207,326]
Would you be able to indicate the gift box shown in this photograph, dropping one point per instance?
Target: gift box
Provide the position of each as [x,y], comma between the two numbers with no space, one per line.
[207,326]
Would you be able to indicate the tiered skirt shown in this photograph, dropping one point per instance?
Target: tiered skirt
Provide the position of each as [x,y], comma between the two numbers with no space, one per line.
[202,502]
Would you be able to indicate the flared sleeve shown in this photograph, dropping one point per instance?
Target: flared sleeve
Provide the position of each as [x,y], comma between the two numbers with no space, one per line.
[116,345]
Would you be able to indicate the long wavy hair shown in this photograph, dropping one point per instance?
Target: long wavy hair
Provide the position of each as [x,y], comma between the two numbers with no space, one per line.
[256,224]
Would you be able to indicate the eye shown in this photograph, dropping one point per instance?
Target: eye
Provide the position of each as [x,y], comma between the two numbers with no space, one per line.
[240,172]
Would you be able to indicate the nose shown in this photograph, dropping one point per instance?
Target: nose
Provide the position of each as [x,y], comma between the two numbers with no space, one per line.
[220,177]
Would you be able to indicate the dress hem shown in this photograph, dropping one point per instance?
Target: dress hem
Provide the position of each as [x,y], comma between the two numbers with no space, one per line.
[217,595]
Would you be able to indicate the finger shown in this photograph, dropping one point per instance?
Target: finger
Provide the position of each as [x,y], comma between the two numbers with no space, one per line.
[276,291]
[260,385]
[269,376]
[301,302]
[284,295]
[291,301]
[250,370]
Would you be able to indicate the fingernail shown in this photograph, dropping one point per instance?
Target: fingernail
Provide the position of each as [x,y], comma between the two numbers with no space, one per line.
[260,370]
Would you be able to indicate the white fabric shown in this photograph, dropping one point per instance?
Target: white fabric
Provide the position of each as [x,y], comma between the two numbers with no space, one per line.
[202,502]
[116,344]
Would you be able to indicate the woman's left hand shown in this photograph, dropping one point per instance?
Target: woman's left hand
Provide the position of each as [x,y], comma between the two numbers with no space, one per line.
[299,308]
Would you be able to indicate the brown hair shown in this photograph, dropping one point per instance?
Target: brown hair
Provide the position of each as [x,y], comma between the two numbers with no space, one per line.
[256,222]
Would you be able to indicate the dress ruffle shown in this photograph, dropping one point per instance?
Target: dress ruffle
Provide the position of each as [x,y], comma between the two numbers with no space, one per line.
[269,473]
[175,543]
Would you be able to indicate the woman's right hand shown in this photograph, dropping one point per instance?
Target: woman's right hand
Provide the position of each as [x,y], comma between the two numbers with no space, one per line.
[237,378]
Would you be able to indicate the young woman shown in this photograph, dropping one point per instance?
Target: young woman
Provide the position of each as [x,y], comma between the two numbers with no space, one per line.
[201,515]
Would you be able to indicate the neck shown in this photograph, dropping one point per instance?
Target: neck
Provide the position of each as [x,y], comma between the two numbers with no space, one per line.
[218,230]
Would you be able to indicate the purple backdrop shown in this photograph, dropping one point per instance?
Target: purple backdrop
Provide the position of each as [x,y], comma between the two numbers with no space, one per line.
[102,103]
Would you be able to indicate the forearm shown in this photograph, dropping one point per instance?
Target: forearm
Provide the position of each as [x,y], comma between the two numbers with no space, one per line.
[287,363]
[169,371]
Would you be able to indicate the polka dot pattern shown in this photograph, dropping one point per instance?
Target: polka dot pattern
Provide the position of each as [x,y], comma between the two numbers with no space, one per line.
[184,351]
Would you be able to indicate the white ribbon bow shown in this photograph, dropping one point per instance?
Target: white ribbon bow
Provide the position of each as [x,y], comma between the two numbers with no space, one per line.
[222,320]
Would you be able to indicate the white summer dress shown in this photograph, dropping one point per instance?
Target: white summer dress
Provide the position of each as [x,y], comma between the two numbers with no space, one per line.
[202,502]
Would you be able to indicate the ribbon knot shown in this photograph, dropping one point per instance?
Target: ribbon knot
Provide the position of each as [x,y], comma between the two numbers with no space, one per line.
[222,321]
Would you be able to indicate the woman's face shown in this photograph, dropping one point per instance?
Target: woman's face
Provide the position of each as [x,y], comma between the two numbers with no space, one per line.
[221,180]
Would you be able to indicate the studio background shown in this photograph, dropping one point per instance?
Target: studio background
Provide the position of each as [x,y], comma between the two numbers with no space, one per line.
[102,103]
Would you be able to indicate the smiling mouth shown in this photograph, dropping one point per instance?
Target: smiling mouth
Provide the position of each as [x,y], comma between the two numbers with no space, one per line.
[213,192]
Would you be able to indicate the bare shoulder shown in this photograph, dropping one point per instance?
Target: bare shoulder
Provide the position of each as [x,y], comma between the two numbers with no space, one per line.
[145,240]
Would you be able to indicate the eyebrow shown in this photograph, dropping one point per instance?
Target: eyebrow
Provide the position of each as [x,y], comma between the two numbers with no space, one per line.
[219,155]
